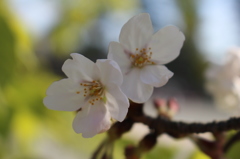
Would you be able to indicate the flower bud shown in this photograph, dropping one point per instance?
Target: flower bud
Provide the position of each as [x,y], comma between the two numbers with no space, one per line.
[167,108]
[173,107]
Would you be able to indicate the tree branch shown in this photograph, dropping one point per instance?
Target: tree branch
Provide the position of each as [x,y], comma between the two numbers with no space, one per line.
[179,128]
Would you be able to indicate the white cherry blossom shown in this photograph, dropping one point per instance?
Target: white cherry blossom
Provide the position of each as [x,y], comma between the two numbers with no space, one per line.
[141,55]
[91,89]
[223,81]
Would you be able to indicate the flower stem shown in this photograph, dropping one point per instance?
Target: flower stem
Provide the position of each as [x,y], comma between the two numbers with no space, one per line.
[235,138]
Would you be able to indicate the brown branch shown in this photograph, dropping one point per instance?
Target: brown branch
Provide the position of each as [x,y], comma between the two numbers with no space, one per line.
[162,124]
[182,127]
[179,128]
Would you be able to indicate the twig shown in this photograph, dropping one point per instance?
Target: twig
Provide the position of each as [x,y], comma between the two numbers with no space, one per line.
[235,138]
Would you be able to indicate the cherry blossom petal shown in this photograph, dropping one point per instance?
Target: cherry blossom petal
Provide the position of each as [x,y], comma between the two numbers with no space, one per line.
[110,72]
[136,32]
[92,120]
[80,68]
[155,75]
[166,44]
[116,53]
[223,81]
[64,96]
[134,88]
[117,103]
[62,86]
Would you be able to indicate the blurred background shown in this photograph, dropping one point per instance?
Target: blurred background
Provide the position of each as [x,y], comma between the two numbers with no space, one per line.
[37,36]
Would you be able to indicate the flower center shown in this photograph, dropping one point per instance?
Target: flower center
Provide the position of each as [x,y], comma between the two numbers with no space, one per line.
[94,91]
[141,58]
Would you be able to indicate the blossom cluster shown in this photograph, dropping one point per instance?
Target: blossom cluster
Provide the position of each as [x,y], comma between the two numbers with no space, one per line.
[100,92]
[223,81]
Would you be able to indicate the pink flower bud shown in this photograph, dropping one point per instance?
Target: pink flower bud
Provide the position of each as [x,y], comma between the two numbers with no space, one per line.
[167,108]
[173,106]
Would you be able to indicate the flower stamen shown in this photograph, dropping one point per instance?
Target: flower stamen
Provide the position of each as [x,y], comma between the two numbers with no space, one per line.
[93,91]
[142,58]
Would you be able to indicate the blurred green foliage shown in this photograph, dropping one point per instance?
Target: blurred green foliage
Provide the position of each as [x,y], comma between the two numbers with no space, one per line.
[234,151]
[77,16]
[7,44]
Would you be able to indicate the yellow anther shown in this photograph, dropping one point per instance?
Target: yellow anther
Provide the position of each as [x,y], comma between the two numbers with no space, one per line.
[93,91]
[141,58]
[78,92]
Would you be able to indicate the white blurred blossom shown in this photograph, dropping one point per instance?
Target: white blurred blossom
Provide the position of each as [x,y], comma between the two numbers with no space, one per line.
[141,55]
[91,89]
[223,81]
